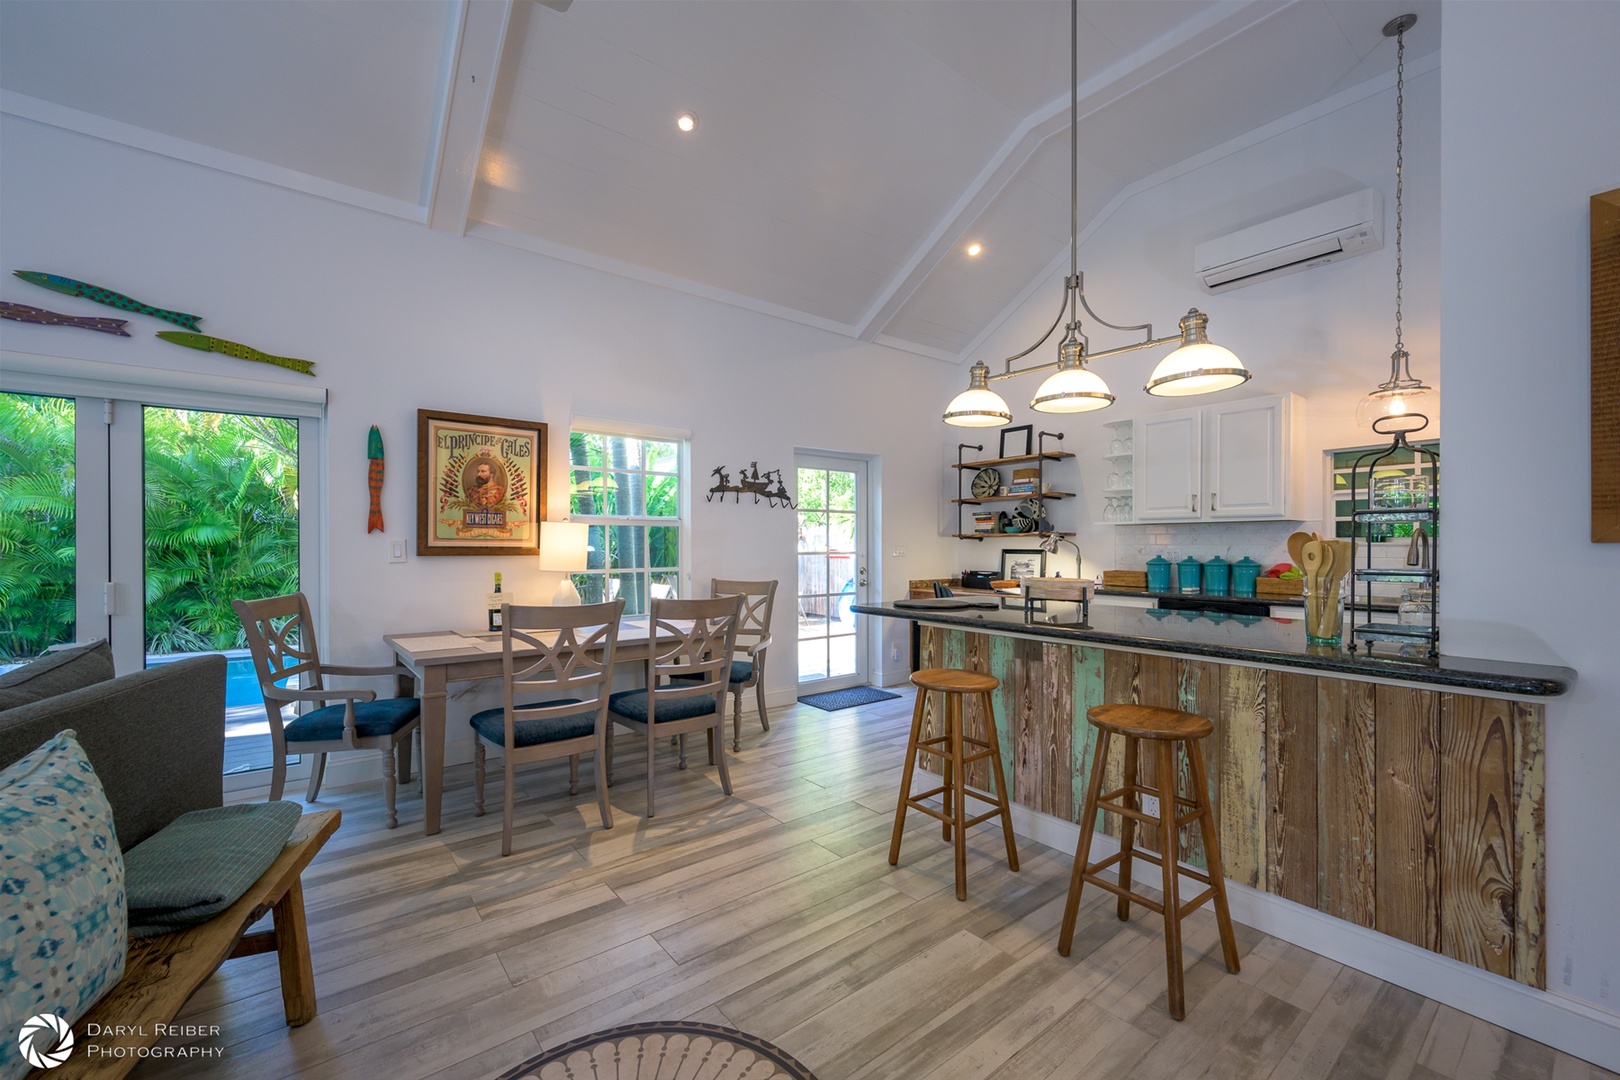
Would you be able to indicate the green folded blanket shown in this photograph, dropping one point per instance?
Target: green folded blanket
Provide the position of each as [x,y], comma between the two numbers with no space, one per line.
[201,863]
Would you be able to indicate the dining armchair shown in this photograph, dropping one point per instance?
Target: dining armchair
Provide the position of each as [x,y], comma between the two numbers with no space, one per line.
[688,679]
[753,639]
[571,667]
[281,637]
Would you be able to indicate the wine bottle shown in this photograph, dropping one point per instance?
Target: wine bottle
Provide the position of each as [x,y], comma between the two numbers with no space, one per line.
[494,600]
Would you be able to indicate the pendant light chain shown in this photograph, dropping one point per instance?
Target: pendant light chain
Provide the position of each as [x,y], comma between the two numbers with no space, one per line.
[1400,120]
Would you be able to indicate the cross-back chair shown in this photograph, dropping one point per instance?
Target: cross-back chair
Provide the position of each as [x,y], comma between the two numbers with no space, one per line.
[566,657]
[753,639]
[281,637]
[688,679]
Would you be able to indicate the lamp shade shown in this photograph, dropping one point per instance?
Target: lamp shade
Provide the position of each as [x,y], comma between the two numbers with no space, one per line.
[565,547]
[978,405]
[1072,390]
[1197,366]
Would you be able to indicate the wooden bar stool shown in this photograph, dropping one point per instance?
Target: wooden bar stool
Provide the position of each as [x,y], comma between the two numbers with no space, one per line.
[953,685]
[1163,729]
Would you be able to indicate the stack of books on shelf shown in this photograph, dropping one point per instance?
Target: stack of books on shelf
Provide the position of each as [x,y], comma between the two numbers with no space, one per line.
[984,521]
[1025,482]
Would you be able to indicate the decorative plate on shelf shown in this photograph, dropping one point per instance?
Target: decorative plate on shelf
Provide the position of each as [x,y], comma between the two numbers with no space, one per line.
[986,482]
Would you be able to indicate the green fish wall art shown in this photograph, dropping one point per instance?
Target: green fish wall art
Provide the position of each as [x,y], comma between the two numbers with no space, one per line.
[106,296]
[230,348]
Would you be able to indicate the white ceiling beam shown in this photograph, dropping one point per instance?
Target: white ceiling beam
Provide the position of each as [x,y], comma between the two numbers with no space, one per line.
[464,111]
[1216,24]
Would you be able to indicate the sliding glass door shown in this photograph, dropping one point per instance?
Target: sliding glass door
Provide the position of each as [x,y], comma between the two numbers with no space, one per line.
[141,522]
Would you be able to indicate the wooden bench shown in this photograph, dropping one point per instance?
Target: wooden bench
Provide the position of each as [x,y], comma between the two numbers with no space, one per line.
[163,972]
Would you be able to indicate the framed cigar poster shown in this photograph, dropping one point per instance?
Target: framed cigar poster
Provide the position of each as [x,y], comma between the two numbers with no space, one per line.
[480,484]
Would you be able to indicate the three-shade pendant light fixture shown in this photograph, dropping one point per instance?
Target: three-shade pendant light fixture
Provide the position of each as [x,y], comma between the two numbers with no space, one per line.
[1197,367]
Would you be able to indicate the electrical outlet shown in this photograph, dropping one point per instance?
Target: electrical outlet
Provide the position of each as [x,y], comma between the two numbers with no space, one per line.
[396,551]
[894,654]
[1150,805]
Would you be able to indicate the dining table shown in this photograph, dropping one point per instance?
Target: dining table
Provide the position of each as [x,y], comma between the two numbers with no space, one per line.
[437,658]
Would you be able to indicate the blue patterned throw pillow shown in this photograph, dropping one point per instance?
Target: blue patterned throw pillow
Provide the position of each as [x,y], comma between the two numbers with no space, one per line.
[64,932]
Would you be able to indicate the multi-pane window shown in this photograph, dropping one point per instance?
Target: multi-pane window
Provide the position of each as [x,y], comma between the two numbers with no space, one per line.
[628,489]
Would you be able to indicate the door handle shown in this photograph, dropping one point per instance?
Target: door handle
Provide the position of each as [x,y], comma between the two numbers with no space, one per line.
[1192,503]
[1212,502]
[860,576]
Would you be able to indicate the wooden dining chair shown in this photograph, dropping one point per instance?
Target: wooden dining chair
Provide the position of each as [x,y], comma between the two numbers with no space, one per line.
[571,669]
[753,639]
[281,637]
[688,679]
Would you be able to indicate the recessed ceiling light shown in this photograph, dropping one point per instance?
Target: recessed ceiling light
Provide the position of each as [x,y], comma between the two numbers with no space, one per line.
[974,249]
[686,122]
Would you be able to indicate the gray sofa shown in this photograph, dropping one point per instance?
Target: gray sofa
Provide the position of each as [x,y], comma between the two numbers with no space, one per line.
[156,738]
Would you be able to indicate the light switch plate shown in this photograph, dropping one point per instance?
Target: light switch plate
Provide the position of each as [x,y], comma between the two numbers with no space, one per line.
[396,551]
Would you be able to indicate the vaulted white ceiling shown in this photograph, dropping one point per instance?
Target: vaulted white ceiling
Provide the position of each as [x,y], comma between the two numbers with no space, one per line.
[846,152]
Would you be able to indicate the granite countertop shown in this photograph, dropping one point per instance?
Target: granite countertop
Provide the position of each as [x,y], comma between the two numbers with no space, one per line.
[1278,641]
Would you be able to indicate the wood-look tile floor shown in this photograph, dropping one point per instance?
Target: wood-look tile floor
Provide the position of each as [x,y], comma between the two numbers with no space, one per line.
[776,911]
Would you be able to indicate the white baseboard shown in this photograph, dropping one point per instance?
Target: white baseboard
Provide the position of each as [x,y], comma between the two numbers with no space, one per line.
[1547,1016]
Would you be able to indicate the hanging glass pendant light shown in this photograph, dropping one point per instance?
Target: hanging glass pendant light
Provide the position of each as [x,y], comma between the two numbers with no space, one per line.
[1401,402]
[978,405]
[1196,367]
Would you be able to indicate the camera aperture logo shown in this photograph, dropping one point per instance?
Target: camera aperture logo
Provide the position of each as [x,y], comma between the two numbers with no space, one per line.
[46,1040]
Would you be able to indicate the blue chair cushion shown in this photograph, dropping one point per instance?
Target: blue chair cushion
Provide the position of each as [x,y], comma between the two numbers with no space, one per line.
[741,671]
[633,705]
[371,718]
[491,724]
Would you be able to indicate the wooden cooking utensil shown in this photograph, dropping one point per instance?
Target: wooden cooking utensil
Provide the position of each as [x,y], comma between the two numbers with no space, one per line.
[1296,544]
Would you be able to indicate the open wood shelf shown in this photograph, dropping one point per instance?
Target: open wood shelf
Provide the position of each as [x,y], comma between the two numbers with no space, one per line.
[1050,455]
[1016,498]
[1000,535]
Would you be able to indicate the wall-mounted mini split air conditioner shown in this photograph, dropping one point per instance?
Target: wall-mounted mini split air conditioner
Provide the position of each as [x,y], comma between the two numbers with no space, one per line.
[1320,234]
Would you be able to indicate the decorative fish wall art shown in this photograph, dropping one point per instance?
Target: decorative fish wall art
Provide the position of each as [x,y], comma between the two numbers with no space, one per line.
[231,348]
[25,313]
[374,480]
[107,296]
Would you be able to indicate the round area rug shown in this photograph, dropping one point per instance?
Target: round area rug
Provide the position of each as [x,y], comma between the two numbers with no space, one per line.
[675,1048]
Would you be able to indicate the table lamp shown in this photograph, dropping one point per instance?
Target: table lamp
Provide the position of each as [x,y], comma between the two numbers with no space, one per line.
[564,546]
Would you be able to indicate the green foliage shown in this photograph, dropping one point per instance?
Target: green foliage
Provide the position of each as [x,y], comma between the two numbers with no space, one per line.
[221,523]
[37,550]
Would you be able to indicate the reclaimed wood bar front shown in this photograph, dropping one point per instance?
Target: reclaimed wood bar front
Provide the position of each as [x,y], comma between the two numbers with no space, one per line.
[1411,804]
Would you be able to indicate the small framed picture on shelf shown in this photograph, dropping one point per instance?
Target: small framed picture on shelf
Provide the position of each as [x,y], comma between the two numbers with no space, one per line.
[1017,441]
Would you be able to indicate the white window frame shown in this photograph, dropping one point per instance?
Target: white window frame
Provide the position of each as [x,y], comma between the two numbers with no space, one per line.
[682,439]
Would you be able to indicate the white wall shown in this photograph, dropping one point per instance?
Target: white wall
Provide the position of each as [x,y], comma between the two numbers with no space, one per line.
[1521,156]
[1324,333]
[397,318]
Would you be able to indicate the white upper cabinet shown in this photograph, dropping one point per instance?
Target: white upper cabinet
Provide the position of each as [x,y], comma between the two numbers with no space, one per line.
[1169,464]
[1226,462]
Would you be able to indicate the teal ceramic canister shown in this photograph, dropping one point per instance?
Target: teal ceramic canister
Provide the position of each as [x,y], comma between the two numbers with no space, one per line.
[1245,572]
[1158,574]
[1217,577]
[1189,575]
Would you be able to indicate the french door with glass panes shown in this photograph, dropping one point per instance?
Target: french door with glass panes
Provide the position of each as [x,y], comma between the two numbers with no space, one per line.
[141,522]
[832,572]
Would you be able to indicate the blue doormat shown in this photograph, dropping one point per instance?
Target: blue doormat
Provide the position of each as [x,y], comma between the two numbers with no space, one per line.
[833,700]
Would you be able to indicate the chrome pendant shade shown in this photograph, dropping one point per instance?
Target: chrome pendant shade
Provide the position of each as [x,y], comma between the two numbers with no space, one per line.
[1196,367]
[1401,403]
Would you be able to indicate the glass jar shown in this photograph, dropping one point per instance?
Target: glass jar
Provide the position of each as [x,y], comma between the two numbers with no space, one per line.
[1417,606]
[1399,492]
